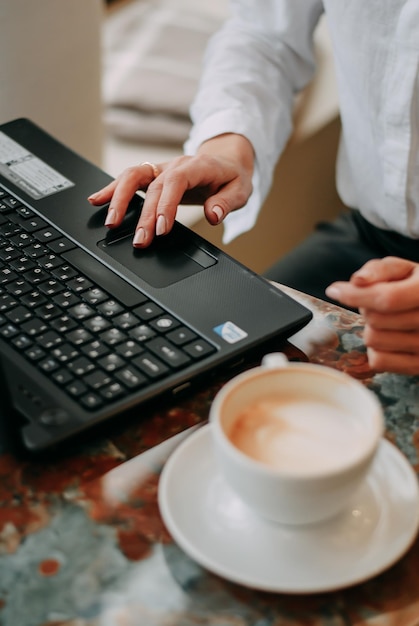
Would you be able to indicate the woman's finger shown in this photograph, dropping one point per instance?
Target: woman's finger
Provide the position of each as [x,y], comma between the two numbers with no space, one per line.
[404,321]
[384,297]
[391,340]
[386,269]
[102,196]
[400,363]
[128,183]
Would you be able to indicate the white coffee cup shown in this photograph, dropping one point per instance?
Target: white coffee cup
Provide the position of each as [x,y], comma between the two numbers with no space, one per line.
[295,440]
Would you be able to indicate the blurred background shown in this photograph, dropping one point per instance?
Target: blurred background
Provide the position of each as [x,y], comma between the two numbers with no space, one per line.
[114,80]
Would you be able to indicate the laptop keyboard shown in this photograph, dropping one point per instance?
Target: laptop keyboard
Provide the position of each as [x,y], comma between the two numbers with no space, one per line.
[97,337]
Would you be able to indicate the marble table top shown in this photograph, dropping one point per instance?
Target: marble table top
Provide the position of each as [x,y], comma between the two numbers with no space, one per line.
[82,541]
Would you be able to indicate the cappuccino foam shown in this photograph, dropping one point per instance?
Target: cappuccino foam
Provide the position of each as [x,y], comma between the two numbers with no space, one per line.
[297,435]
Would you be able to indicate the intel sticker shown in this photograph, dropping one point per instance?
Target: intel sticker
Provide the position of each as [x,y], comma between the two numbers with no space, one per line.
[230,332]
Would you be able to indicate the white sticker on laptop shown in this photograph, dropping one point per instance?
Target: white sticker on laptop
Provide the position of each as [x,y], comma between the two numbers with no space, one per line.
[230,332]
[27,171]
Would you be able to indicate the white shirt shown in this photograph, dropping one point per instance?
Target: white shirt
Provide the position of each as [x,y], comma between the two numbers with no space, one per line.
[263,56]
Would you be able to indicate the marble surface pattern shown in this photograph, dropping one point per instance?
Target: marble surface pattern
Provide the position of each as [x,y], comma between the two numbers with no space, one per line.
[82,542]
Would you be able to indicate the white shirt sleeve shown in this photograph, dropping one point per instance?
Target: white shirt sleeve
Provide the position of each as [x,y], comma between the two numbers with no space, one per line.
[254,66]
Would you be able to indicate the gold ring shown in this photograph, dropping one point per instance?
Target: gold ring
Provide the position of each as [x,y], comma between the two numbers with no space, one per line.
[154,168]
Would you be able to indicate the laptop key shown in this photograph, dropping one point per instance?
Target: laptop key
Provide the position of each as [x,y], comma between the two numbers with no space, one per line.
[61,245]
[112,362]
[18,287]
[62,376]
[94,295]
[112,336]
[181,335]
[8,330]
[79,284]
[63,324]
[81,366]
[79,336]
[35,353]
[81,311]
[65,352]
[7,301]
[94,349]
[112,391]
[110,308]
[18,314]
[142,333]
[11,202]
[22,342]
[164,323]
[150,365]
[34,326]
[49,339]
[76,388]
[126,320]
[168,352]
[199,348]
[91,400]
[33,298]
[47,234]
[98,379]
[131,377]
[148,311]
[49,364]
[129,348]
[97,324]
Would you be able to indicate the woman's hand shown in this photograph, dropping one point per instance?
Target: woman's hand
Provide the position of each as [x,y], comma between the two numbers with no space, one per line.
[219,176]
[386,292]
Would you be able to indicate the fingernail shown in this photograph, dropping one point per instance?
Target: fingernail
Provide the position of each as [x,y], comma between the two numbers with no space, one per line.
[139,237]
[92,196]
[110,217]
[333,292]
[161,225]
[218,212]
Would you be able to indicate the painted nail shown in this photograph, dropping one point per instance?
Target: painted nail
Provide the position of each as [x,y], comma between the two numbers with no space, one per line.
[218,212]
[110,217]
[139,237]
[161,225]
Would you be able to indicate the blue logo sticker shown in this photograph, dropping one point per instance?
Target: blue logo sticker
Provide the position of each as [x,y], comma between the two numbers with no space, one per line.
[230,332]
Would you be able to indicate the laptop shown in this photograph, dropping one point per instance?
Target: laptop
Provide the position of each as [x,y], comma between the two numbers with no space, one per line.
[91,328]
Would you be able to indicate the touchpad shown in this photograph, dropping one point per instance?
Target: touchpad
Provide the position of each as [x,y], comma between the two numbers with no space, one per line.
[167,260]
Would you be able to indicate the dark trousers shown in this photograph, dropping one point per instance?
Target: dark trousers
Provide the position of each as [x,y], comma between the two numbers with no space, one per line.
[337,249]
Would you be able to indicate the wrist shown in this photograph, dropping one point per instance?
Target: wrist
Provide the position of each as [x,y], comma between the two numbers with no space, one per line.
[230,146]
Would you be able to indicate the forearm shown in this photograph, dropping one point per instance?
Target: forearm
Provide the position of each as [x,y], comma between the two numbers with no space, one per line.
[253,67]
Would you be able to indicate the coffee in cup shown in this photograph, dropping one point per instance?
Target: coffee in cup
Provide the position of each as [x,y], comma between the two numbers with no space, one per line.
[294,434]
[294,440]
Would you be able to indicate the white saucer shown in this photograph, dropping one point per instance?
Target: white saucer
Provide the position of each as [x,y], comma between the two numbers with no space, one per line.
[212,525]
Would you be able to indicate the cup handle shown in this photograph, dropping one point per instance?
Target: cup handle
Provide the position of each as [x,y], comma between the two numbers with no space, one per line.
[274,359]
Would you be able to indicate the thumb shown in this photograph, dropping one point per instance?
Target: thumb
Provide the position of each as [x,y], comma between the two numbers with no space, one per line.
[229,198]
[215,212]
[388,269]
